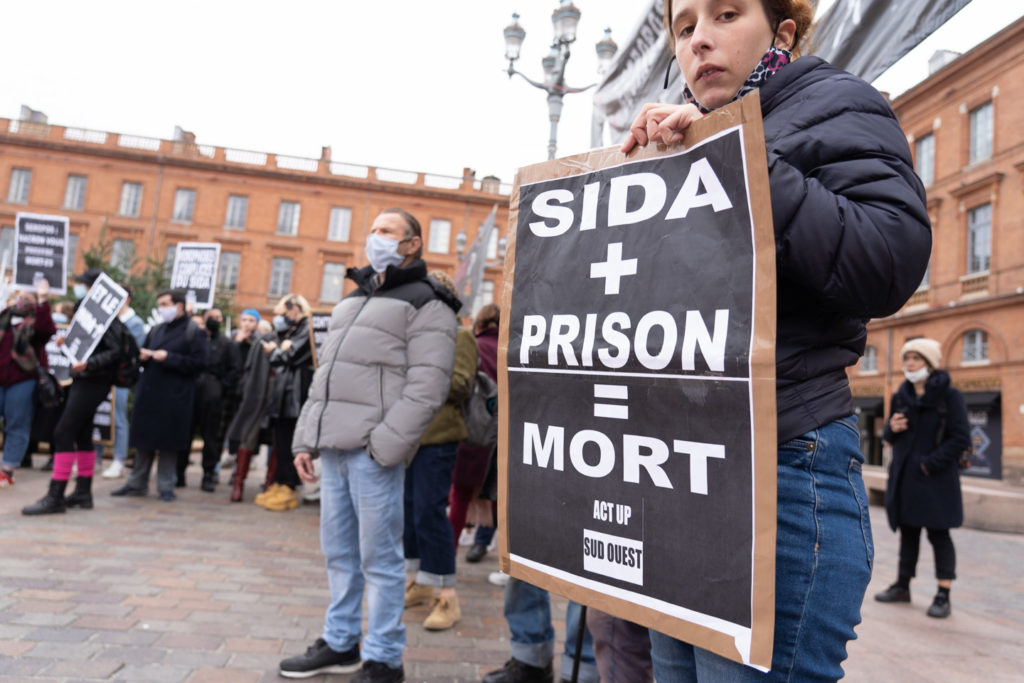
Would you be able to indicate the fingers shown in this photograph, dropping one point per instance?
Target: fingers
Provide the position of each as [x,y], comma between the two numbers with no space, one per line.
[666,123]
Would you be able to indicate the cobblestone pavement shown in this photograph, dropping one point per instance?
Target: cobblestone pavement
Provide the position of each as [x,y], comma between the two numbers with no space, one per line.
[203,590]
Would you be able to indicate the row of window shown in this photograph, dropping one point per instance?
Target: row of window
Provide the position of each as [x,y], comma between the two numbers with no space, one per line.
[437,241]
[975,350]
[979,146]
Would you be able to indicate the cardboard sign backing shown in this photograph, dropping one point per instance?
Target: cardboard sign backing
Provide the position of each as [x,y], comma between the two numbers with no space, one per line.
[637,421]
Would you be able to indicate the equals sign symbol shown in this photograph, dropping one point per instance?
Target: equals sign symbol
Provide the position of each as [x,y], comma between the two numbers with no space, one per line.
[612,410]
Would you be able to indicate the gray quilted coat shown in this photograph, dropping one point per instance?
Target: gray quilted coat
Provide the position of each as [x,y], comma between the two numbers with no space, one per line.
[385,368]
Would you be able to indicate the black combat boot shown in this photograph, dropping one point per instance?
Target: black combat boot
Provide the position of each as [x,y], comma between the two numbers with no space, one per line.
[52,502]
[82,495]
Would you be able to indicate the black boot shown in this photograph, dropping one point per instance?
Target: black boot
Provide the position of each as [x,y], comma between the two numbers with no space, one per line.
[52,502]
[82,496]
[209,482]
[48,465]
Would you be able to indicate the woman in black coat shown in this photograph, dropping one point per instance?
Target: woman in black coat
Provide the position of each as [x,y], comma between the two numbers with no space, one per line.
[928,431]
[291,360]
[174,354]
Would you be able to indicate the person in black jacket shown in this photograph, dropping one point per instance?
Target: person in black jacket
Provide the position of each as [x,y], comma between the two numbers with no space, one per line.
[214,383]
[852,241]
[92,379]
[928,430]
[174,354]
[291,360]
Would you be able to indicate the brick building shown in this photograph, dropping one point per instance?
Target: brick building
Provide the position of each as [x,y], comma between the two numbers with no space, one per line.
[285,224]
[965,125]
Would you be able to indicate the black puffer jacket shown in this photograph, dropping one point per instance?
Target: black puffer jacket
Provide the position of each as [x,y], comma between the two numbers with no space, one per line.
[924,479]
[852,233]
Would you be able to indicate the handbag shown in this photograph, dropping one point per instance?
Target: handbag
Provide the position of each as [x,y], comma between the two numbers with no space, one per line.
[48,392]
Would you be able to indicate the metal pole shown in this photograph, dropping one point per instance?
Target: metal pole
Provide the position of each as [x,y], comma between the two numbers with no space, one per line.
[579,644]
[554,115]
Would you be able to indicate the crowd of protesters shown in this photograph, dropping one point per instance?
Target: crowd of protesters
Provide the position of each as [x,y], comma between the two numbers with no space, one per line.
[380,411]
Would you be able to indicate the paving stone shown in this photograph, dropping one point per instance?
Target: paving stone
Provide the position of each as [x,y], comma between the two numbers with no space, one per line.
[95,669]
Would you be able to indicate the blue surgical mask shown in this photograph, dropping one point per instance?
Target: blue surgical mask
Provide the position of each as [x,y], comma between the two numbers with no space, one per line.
[281,323]
[80,290]
[382,252]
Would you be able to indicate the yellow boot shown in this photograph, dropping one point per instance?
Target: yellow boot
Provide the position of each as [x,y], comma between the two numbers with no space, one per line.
[444,614]
[269,493]
[417,594]
[285,498]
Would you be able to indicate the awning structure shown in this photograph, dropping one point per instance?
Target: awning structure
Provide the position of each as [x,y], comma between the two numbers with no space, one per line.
[982,399]
[869,404]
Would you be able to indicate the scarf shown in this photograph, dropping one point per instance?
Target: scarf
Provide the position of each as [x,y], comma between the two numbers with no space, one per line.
[773,60]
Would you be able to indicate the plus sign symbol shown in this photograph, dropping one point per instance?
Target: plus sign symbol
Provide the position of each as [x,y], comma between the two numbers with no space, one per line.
[613,269]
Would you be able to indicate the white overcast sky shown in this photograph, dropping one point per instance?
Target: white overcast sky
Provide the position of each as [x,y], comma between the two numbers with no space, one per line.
[404,84]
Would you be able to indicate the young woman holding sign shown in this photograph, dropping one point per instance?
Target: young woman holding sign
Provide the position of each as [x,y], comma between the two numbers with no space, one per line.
[852,243]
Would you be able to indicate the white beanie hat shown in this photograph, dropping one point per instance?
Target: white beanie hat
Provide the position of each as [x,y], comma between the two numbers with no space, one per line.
[929,349]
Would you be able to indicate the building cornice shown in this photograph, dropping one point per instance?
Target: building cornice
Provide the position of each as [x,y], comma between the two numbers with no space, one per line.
[955,308]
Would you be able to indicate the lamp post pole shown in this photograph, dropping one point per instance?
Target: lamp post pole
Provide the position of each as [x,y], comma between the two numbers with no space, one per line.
[564,19]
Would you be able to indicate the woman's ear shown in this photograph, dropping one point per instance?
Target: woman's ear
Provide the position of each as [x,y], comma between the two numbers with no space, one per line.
[785,35]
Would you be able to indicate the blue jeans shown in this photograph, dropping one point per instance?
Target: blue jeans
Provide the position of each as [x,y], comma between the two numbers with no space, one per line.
[18,401]
[361,538]
[120,427]
[429,541]
[823,559]
[528,613]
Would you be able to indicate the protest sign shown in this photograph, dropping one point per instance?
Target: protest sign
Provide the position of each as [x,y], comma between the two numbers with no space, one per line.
[319,325]
[195,271]
[40,245]
[60,366]
[102,420]
[637,397]
[95,312]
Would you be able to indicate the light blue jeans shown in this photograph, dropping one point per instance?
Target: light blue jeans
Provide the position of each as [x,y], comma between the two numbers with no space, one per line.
[528,613]
[19,408]
[823,559]
[361,538]
[120,427]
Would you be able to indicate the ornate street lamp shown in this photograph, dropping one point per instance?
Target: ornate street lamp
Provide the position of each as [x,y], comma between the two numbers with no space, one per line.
[564,21]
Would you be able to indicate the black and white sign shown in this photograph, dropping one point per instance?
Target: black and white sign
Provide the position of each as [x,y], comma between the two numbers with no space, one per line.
[40,248]
[320,324]
[195,271]
[103,422]
[630,415]
[95,313]
[60,365]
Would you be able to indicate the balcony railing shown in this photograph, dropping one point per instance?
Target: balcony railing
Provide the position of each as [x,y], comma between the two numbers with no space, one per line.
[177,148]
[974,283]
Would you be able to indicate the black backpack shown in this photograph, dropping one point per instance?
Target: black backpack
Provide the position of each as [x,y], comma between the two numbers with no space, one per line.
[480,412]
[129,364]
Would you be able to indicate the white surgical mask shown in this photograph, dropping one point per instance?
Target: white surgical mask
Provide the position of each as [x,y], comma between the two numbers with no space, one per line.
[167,313]
[917,375]
[280,323]
[382,252]
[80,290]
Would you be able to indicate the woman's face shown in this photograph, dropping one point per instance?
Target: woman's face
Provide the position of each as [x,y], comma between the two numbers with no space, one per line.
[248,323]
[718,44]
[912,361]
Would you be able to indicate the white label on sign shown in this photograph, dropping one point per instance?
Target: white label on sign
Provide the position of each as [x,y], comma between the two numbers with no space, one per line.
[618,558]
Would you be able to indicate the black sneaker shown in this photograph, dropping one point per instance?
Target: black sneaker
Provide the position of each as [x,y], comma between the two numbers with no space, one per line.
[515,671]
[379,672]
[320,659]
[128,491]
[476,552]
[894,593]
[940,607]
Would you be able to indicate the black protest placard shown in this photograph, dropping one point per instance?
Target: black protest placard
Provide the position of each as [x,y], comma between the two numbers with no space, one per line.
[95,312]
[637,403]
[40,248]
[103,422]
[59,364]
[319,325]
[195,271]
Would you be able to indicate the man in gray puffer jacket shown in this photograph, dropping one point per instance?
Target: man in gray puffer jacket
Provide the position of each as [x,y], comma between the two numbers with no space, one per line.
[384,372]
